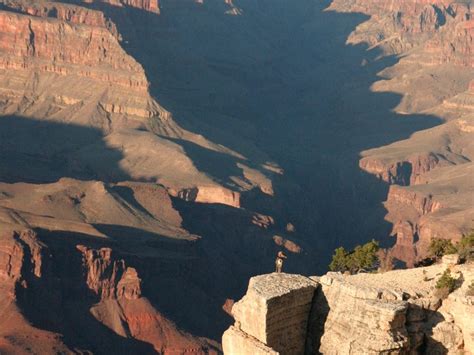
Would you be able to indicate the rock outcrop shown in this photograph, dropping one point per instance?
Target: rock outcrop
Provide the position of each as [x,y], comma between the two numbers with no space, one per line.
[274,312]
[33,277]
[397,312]
[109,278]
[380,318]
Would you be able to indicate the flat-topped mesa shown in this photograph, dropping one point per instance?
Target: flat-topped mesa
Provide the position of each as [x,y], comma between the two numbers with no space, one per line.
[274,312]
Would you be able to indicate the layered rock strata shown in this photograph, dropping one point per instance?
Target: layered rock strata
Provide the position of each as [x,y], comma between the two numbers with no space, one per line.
[34,277]
[274,312]
[397,312]
[433,42]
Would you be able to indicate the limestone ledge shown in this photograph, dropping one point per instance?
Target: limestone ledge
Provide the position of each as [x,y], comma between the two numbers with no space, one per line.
[396,312]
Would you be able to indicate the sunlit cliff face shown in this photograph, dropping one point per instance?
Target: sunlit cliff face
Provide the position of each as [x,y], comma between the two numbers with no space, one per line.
[154,157]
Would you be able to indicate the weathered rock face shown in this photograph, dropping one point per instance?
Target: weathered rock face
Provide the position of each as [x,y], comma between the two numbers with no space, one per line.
[20,249]
[33,277]
[274,312]
[396,312]
[434,41]
[109,278]
[62,45]
[50,44]
[61,11]
[23,261]
[441,28]
[123,309]
[235,341]
[380,325]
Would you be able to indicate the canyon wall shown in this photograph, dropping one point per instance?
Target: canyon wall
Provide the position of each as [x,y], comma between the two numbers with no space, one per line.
[33,279]
[433,44]
[396,312]
[65,63]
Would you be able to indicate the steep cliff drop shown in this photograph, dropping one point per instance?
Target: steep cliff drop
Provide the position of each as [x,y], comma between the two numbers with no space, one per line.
[157,153]
[397,312]
[432,41]
[87,299]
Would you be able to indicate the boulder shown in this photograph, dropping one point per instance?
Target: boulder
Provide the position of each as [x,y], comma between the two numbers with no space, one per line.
[275,312]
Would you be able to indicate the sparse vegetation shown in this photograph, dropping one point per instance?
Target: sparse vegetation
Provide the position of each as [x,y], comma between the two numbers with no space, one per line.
[445,285]
[465,247]
[440,247]
[361,258]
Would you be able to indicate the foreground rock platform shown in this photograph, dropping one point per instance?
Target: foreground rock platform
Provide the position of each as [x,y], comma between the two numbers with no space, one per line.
[397,312]
[272,317]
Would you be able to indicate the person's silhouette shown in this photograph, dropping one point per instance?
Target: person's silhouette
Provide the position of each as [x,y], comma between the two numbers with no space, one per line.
[279,261]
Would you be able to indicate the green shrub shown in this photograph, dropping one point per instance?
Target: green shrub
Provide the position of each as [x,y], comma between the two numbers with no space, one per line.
[465,247]
[362,257]
[446,281]
[339,260]
[440,247]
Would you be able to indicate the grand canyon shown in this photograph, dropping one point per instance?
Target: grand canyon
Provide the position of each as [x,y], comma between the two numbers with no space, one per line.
[155,155]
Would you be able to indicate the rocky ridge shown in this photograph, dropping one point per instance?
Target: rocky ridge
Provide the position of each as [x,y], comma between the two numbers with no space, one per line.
[31,280]
[433,41]
[65,62]
[396,312]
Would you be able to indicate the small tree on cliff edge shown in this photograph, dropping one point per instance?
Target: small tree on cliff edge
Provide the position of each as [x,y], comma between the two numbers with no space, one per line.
[440,247]
[361,258]
[465,247]
[339,260]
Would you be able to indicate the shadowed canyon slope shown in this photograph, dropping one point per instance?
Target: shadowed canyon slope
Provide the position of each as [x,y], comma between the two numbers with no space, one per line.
[154,156]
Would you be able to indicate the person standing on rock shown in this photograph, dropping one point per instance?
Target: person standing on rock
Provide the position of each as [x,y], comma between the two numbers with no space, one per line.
[279,261]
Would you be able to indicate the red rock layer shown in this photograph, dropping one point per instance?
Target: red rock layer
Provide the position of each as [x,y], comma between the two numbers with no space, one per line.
[64,12]
[119,288]
[407,172]
[66,49]
[109,278]
[22,259]
[27,272]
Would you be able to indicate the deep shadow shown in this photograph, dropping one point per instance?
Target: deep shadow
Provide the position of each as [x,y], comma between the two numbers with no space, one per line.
[40,151]
[60,301]
[232,250]
[282,76]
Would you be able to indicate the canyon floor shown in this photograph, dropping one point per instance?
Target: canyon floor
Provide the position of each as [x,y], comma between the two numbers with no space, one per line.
[155,156]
